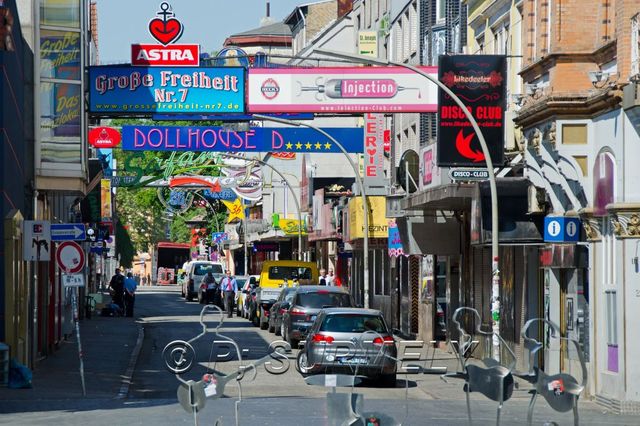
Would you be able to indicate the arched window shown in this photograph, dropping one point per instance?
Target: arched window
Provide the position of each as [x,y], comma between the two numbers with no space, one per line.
[604,178]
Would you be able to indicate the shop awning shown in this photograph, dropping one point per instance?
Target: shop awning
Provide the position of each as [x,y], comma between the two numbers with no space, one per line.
[454,197]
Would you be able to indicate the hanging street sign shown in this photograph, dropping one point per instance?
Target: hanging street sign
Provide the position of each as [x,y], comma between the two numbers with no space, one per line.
[104,137]
[469,174]
[68,232]
[70,257]
[122,90]
[256,139]
[73,280]
[36,240]
[561,229]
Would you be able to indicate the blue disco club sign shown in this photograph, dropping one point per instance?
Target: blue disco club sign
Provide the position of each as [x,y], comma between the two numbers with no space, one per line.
[257,139]
[179,90]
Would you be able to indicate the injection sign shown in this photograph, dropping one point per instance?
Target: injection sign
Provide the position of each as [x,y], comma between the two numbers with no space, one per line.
[220,139]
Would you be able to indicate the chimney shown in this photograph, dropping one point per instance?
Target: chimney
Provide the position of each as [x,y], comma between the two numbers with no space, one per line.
[267,19]
[268,9]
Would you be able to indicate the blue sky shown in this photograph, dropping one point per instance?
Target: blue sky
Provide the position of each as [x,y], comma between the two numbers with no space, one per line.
[205,22]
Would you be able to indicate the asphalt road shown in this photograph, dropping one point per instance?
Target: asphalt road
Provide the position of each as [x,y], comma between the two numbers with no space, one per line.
[267,399]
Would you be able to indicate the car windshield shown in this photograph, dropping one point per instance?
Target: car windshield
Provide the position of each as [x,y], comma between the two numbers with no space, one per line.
[203,269]
[241,282]
[353,323]
[289,272]
[323,300]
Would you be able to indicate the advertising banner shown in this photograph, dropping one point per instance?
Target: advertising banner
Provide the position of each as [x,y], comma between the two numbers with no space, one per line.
[257,139]
[105,200]
[230,117]
[480,82]
[368,43]
[291,226]
[341,90]
[378,224]
[373,148]
[136,90]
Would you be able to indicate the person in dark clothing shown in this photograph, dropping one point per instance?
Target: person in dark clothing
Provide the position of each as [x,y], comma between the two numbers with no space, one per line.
[212,292]
[230,287]
[130,287]
[117,289]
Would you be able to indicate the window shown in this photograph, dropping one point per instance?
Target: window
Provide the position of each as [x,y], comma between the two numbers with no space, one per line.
[350,323]
[60,13]
[60,54]
[323,299]
[289,272]
[502,40]
[635,45]
[582,162]
[440,10]
[574,134]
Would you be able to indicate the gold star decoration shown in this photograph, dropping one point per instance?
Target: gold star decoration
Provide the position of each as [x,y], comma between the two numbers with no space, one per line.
[327,145]
[307,145]
[235,209]
[298,145]
[289,145]
[318,145]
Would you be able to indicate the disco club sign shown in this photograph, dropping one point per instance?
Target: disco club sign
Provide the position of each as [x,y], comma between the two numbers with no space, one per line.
[480,82]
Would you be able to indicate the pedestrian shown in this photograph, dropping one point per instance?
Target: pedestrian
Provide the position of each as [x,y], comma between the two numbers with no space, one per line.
[148,279]
[323,277]
[211,289]
[117,288]
[130,286]
[230,287]
[330,278]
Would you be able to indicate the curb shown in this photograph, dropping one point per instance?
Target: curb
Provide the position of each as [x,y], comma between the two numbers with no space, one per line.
[128,375]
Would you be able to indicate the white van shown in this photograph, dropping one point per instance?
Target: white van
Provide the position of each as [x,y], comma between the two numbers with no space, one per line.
[196,270]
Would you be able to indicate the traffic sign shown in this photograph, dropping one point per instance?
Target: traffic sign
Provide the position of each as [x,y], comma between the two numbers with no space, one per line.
[469,174]
[36,240]
[73,280]
[561,229]
[70,257]
[68,232]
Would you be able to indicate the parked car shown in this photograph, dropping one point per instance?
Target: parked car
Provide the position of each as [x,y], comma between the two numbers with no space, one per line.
[274,272]
[305,305]
[279,307]
[248,284]
[196,270]
[265,298]
[367,347]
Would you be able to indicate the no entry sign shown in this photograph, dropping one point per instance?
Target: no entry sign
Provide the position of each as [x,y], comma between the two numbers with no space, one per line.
[70,257]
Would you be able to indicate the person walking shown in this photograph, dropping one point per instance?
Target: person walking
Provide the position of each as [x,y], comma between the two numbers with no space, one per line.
[323,277]
[130,286]
[330,278]
[230,287]
[117,289]
[211,289]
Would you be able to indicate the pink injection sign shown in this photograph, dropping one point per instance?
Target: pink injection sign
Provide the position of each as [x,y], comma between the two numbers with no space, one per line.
[341,90]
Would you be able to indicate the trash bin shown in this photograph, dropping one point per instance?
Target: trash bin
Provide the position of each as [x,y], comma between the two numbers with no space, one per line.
[4,364]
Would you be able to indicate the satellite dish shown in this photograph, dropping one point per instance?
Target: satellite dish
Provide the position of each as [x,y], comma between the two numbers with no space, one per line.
[409,165]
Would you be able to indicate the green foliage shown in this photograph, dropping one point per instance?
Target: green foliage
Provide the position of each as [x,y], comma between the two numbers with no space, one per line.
[124,246]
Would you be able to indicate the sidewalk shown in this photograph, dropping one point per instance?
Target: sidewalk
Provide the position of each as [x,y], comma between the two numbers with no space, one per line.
[108,344]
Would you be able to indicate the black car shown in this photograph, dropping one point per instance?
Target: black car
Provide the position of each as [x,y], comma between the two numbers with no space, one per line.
[277,310]
[305,305]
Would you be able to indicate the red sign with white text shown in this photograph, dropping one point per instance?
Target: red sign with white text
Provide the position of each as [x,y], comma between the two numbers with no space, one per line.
[156,55]
[104,137]
[373,146]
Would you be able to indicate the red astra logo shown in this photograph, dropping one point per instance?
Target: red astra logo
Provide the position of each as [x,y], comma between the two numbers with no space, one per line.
[165,28]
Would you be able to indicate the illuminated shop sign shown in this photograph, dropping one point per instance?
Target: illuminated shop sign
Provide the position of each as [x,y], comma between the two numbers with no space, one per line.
[258,139]
[134,90]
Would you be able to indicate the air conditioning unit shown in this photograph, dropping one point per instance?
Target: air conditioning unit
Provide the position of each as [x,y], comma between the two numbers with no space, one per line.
[535,200]
[631,96]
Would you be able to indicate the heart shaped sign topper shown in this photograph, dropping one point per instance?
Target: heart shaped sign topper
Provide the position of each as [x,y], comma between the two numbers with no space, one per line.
[165,28]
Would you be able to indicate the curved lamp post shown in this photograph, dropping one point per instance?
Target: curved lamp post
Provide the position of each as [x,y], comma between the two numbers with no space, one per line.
[495,287]
[365,206]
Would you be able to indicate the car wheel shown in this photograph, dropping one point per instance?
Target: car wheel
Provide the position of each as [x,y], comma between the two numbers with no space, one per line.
[283,331]
[255,320]
[388,380]
[294,343]
[263,324]
[272,328]
[302,364]
[277,330]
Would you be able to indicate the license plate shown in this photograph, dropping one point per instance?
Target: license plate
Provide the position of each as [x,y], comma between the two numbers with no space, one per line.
[354,360]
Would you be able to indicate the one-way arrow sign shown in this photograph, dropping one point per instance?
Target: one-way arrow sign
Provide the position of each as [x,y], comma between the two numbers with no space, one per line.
[68,232]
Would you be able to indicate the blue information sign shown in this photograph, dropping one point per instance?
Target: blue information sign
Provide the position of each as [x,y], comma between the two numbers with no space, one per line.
[68,232]
[178,90]
[561,229]
[258,139]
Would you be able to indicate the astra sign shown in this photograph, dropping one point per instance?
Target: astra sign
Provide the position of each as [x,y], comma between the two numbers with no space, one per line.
[167,30]
[258,139]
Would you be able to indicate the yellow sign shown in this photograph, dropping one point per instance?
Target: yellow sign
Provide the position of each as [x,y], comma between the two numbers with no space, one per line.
[105,199]
[368,43]
[378,224]
[235,209]
[291,226]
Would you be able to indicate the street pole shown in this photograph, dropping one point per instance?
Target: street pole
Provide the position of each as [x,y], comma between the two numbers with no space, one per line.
[365,206]
[295,199]
[495,287]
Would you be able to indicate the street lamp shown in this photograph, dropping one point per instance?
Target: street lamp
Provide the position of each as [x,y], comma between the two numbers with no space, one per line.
[365,206]
[495,287]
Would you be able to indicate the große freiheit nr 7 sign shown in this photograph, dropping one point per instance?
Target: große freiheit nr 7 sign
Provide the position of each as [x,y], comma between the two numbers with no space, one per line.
[480,82]
[126,90]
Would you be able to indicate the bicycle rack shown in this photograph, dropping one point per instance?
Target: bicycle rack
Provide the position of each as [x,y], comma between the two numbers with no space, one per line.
[491,379]
[561,390]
